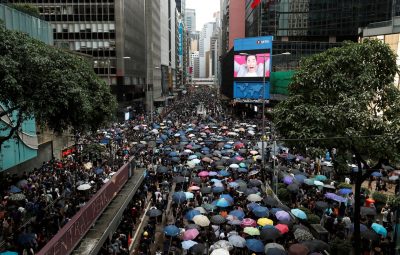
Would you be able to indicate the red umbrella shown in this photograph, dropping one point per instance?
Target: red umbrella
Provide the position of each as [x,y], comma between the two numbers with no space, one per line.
[298,249]
[282,228]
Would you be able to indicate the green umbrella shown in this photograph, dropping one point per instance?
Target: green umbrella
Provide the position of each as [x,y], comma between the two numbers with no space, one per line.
[208,207]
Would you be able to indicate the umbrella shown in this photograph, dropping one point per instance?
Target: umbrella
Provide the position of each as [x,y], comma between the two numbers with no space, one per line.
[14,189]
[201,220]
[251,231]
[302,235]
[282,228]
[288,179]
[299,214]
[316,245]
[190,226]
[293,187]
[298,249]
[8,253]
[235,222]
[206,190]
[321,204]
[367,211]
[264,221]
[194,188]
[223,202]
[318,183]
[171,230]
[223,244]
[270,248]
[203,174]
[254,198]
[201,210]
[190,234]
[237,241]
[261,211]
[189,195]
[238,214]
[179,179]
[269,200]
[335,197]
[85,186]
[234,166]
[190,214]
[376,174]
[300,178]
[218,189]
[22,183]
[197,249]
[282,216]
[154,213]
[224,173]
[17,197]
[321,178]
[370,235]
[255,245]
[269,233]
[186,245]
[219,252]
[379,229]
[209,207]
[255,183]
[179,197]
[247,222]
[217,219]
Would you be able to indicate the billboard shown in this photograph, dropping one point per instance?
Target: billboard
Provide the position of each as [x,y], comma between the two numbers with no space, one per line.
[252,64]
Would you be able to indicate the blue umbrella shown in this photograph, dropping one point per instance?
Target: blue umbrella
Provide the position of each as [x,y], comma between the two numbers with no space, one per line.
[223,202]
[218,189]
[321,178]
[299,214]
[228,146]
[243,170]
[173,154]
[14,189]
[190,214]
[376,174]
[164,137]
[233,184]
[192,156]
[224,173]
[261,211]
[215,180]
[379,229]
[300,178]
[8,253]
[255,245]
[171,230]
[252,205]
[227,196]
[179,197]
[238,214]
[186,245]
[345,191]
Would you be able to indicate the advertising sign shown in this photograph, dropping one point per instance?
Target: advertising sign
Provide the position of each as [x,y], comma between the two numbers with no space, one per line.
[252,64]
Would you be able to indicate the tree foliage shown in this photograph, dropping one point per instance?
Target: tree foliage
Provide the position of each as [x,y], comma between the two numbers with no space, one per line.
[27,8]
[345,92]
[59,89]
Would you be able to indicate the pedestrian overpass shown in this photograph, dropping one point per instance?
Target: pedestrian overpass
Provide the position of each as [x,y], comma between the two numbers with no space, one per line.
[204,81]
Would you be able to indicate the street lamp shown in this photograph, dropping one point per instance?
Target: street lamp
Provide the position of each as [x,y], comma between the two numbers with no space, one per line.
[263,136]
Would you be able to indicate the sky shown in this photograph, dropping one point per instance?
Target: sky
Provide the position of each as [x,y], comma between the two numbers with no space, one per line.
[204,10]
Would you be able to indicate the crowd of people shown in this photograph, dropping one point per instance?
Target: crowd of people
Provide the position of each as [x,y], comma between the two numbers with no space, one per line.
[205,184]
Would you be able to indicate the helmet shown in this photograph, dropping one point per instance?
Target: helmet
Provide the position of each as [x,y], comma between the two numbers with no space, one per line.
[145,233]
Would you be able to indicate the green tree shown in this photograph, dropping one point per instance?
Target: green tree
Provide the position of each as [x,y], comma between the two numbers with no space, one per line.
[27,8]
[59,89]
[345,98]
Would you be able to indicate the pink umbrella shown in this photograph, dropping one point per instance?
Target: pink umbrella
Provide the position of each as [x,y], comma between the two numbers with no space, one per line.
[190,234]
[189,146]
[203,174]
[282,228]
[239,158]
[247,222]
[194,188]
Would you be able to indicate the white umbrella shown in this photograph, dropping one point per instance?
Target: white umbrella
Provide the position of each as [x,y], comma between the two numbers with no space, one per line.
[318,183]
[234,166]
[201,220]
[177,135]
[85,186]
[196,161]
[143,142]
[223,244]
[136,128]
[188,151]
[220,252]
[254,198]
[154,131]
[88,165]
[237,241]
[253,152]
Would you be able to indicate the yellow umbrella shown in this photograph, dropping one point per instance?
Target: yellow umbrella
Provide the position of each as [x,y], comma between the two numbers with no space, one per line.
[251,231]
[264,221]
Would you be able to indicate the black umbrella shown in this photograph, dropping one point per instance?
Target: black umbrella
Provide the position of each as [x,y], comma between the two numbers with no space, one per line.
[316,245]
[217,219]
[179,179]
[185,172]
[370,235]
[269,200]
[206,190]
[192,226]
[197,249]
[321,205]
[269,234]
[254,183]
[196,180]
[367,211]
[293,187]
[152,213]
[299,226]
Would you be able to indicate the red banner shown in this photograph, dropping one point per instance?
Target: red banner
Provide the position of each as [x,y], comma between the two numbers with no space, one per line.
[70,235]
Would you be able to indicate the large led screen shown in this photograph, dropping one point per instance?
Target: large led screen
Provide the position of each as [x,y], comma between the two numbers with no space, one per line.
[252,65]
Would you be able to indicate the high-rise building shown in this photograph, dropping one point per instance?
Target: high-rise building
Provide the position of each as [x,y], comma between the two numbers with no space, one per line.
[194,63]
[181,6]
[110,31]
[204,48]
[305,27]
[233,22]
[190,18]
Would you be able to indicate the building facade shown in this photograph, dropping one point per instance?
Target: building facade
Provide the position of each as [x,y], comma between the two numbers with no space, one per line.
[233,22]
[204,49]
[190,19]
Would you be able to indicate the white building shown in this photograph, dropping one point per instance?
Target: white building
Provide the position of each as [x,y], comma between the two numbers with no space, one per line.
[190,18]
[204,49]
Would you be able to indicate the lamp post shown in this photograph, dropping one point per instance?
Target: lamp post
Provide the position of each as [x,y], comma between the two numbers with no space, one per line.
[263,137]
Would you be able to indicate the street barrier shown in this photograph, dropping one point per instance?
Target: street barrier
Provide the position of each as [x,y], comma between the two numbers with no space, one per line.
[70,235]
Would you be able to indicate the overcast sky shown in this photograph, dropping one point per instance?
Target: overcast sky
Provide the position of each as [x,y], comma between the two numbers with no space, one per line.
[204,10]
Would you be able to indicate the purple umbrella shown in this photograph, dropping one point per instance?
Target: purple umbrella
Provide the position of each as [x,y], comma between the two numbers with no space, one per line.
[335,197]
[288,179]
[282,216]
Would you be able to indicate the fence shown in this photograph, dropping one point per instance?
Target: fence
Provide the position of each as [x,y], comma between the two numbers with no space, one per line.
[70,235]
